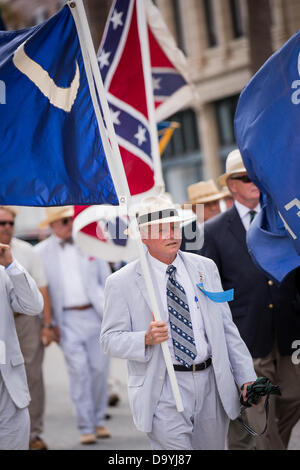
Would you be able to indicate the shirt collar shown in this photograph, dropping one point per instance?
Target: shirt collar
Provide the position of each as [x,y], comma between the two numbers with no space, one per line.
[163,266]
[244,210]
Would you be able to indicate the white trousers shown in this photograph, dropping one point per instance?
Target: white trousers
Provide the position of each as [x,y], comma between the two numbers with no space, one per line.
[87,366]
[203,424]
[14,422]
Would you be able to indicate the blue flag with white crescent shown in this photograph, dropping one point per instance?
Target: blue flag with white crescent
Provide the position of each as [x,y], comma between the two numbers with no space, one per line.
[51,151]
[267,133]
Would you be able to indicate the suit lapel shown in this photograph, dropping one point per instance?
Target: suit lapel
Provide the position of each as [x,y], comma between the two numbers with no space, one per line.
[195,272]
[236,227]
[143,289]
[142,285]
[207,307]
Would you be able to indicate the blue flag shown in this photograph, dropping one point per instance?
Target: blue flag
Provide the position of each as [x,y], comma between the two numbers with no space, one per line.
[267,132]
[51,152]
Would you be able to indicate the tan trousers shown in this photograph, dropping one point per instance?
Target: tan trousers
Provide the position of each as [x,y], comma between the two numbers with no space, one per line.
[284,411]
[238,438]
[29,330]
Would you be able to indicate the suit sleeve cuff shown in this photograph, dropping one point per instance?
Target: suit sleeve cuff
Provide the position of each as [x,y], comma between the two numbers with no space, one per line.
[14,268]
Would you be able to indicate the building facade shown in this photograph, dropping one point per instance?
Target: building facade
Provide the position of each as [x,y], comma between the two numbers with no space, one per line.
[213,35]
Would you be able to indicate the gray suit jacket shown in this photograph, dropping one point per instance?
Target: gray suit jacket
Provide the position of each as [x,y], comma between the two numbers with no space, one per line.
[19,293]
[94,273]
[127,315]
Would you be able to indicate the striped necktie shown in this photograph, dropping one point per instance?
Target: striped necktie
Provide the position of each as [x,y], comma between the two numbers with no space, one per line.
[180,320]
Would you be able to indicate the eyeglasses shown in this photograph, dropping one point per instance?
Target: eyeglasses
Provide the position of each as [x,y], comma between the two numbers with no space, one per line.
[66,220]
[5,222]
[243,178]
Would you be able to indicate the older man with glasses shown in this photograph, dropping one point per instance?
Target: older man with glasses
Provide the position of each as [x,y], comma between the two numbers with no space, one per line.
[76,286]
[266,315]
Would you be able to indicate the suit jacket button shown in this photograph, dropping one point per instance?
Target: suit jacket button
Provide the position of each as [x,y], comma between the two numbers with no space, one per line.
[271,306]
[271,283]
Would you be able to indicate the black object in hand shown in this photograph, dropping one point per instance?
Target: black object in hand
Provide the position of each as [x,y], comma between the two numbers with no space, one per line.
[260,388]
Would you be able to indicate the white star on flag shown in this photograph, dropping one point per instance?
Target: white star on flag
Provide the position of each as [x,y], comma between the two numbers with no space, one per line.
[156,83]
[115,116]
[103,59]
[140,135]
[116,19]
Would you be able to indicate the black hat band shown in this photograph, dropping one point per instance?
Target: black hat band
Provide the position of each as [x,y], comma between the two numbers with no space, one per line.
[152,216]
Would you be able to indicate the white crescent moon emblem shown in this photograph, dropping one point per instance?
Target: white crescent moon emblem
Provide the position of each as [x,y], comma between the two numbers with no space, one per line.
[62,98]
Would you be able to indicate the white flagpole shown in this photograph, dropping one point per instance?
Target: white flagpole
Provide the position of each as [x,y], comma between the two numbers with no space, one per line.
[116,167]
[146,60]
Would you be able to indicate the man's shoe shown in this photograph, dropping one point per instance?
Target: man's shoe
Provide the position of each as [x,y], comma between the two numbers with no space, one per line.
[113,399]
[37,444]
[102,432]
[86,439]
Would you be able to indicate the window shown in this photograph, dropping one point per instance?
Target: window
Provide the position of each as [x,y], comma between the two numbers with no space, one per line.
[178,25]
[225,111]
[236,17]
[185,139]
[210,23]
[182,159]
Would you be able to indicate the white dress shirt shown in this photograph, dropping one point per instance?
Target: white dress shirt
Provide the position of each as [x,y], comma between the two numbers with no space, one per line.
[182,276]
[72,283]
[30,260]
[244,213]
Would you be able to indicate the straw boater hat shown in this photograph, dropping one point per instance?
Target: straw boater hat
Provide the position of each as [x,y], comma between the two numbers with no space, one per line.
[56,213]
[234,165]
[158,210]
[204,191]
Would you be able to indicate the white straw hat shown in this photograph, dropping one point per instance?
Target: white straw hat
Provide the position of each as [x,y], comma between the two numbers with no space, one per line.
[234,165]
[158,210]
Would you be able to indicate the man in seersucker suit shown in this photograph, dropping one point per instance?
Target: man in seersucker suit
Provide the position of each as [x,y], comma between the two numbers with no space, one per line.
[207,351]
[19,293]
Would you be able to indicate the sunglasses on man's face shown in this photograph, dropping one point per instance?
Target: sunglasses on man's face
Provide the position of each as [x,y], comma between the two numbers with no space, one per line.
[5,222]
[66,220]
[243,178]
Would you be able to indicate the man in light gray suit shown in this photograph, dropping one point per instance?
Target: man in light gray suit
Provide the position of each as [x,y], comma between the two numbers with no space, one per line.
[208,353]
[20,294]
[76,287]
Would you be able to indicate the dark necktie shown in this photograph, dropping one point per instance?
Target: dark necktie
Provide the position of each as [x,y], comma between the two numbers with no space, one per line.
[180,320]
[252,215]
[69,241]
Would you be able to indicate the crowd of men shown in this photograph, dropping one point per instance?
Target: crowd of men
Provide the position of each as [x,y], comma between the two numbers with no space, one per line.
[54,292]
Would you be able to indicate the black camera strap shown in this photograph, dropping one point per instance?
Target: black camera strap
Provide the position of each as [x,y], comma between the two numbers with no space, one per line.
[247,427]
[262,387]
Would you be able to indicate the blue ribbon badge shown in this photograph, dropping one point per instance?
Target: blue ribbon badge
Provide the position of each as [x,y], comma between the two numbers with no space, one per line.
[219,297]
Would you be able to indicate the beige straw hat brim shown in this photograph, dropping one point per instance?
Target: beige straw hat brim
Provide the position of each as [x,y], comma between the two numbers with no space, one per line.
[56,213]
